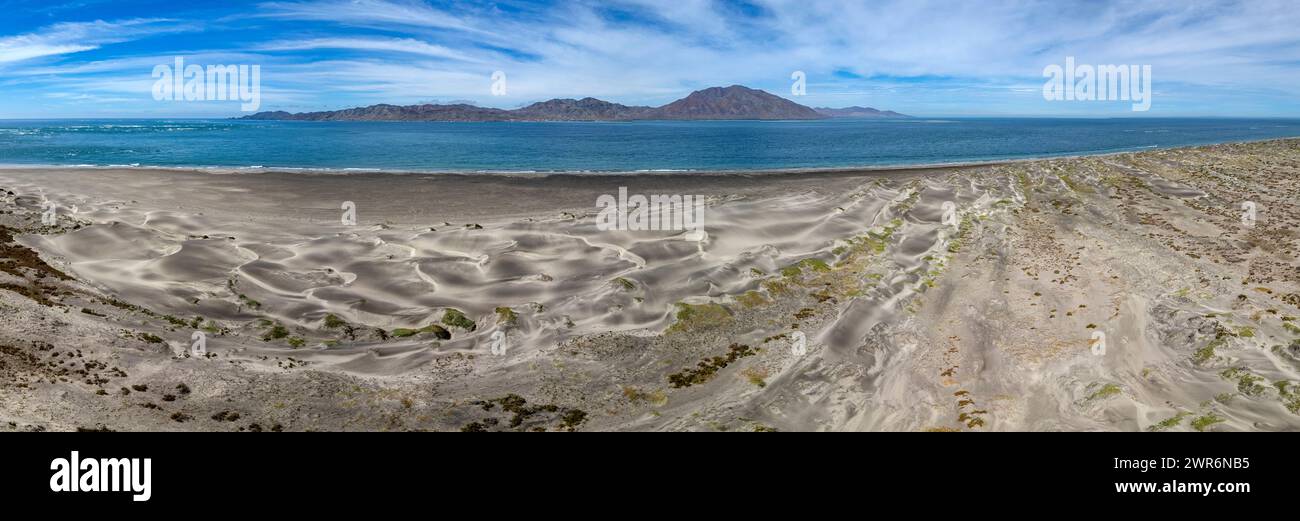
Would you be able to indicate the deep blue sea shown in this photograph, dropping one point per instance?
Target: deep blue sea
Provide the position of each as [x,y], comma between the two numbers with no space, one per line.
[621,147]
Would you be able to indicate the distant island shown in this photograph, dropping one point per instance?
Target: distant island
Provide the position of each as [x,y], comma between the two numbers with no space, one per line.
[716,103]
[859,112]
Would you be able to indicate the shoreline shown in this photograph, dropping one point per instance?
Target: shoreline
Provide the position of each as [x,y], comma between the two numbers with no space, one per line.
[352,171]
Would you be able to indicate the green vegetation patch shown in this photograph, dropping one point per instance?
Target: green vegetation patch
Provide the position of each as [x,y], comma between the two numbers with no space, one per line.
[250,303]
[656,398]
[572,418]
[691,317]
[178,322]
[706,369]
[437,330]
[1247,383]
[1106,391]
[1206,353]
[817,265]
[1170,423]
[507,316]
[963,230]
[1023,181]
[1204,422]
[332,321]
[752,299]
[1075,185]
[456,318]
[776,287]
[521,412]
[277,331]
[151,338]
[212,327]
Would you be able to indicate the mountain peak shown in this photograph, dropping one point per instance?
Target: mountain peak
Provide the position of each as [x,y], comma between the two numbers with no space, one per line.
[734,102]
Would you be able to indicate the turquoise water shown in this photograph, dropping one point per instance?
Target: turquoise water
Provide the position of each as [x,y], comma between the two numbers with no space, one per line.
[622,146]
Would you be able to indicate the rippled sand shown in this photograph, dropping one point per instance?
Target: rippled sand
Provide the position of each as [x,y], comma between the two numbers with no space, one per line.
[989,321]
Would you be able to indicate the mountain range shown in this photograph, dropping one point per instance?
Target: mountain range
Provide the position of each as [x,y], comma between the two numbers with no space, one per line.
[716,103]
[859,112]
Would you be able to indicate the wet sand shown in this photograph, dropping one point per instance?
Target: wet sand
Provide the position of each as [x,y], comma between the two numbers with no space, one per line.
[486,302]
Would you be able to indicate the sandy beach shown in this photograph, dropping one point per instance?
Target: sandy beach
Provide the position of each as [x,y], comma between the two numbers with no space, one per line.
[1124,292]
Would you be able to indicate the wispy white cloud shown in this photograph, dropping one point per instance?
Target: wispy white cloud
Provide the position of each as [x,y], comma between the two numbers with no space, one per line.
[385,13]
[21,48]
[74,37]
[391,45]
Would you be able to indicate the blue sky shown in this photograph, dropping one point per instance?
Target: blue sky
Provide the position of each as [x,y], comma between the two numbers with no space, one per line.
[95,58]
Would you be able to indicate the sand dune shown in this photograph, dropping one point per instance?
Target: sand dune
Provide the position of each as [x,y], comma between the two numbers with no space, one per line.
[910,321]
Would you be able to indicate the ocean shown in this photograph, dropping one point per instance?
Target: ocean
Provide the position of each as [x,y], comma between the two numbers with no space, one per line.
[600,147]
